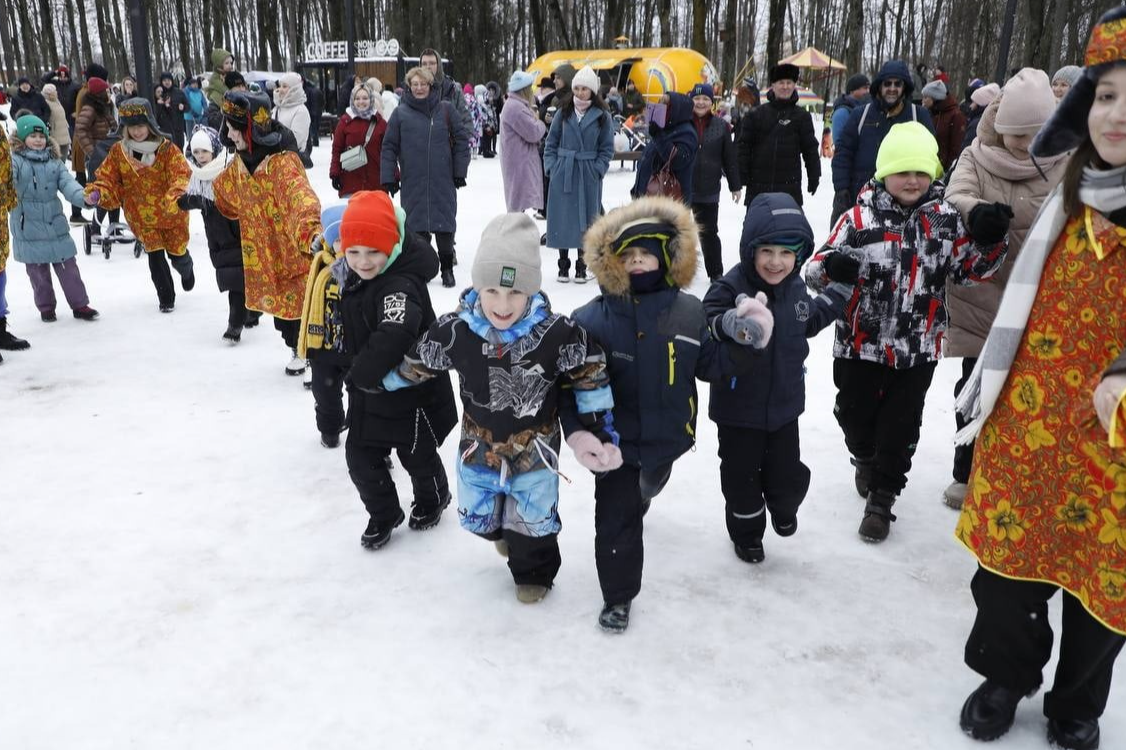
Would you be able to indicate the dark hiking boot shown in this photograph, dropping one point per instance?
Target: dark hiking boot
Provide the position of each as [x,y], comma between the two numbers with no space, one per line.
[8,342]
[330,439]
[786,526]
[751,553]
[426,516]
[863,475]
[989,711]
[167,307]
[86,313]
[252,317]
[232,335]
[614,618]
[877,517]
[48,316]
[1073,734]
[375,536]
[564,271]
[530,593]
[448,280]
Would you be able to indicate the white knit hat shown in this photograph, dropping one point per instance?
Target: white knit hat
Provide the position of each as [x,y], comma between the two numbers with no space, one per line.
[586,77]
[1026,104]
[509,255]
[201,140]
[983,96]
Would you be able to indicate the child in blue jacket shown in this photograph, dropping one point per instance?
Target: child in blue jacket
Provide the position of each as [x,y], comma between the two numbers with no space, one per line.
[657,343]
[757,413]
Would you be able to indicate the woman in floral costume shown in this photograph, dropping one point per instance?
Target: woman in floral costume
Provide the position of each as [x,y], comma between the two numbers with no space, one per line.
[1046,507]
[267,192]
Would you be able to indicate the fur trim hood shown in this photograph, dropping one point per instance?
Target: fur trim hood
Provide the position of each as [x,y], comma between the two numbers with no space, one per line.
[609,269]
[19,147]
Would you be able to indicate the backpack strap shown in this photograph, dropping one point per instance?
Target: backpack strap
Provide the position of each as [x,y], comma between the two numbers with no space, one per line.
[914,114]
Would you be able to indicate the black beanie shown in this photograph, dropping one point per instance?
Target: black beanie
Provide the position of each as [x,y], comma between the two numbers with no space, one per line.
[858,81]
[93,70]
[233,78]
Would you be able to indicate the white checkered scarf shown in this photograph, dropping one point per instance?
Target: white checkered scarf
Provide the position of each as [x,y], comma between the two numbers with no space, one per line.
[1102,190]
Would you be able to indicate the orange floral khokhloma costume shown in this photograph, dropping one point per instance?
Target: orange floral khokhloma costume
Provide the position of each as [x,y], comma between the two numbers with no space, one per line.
[1047,499]
[279,216]
[7,200]
[147,195]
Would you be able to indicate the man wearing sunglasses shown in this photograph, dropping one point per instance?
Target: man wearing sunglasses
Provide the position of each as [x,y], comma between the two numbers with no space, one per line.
[855,160]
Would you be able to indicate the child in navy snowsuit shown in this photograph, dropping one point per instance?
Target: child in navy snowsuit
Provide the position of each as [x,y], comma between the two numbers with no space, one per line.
[757,413]
[657,342]
[514,356]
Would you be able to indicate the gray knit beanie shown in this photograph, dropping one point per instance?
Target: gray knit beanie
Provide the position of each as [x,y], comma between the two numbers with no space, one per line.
[509,255]
[935,90]
[1069,73]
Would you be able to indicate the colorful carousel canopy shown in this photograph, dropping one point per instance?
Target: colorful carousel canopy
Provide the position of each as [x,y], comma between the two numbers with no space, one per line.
[806,96]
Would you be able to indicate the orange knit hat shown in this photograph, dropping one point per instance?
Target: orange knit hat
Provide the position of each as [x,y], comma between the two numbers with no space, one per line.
[369,220]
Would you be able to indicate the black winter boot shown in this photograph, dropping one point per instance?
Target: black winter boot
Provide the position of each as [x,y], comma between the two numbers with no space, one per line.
[989,711]
[863,475]
[564,270]
[1074,734]
[426,515]
[877,517]
[376,536]
[614,618]
[8,342]
[751,553]
[186,268]
[580,272]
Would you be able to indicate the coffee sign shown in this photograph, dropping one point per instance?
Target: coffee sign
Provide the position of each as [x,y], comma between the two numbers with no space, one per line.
[339,50]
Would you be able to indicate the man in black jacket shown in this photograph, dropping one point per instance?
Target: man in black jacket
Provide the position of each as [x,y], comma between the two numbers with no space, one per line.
[775,138]
[448,89]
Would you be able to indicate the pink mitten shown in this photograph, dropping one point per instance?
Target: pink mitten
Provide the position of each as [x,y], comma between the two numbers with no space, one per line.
[592,453]
[750,322]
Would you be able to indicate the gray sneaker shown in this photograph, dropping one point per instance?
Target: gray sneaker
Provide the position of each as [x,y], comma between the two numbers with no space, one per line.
[954,495]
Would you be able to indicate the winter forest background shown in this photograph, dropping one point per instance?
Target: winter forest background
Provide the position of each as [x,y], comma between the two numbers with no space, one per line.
[487,39]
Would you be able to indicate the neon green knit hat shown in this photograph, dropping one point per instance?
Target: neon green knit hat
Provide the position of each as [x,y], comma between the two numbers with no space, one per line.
[908,147]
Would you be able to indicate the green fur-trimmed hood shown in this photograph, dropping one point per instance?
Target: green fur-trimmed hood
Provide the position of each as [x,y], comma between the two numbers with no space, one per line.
[683,249]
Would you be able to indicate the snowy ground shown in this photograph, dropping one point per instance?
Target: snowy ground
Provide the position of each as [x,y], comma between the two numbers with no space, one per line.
[180,566]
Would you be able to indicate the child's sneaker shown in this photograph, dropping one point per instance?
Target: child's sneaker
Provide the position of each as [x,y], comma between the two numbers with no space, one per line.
[330,439]
[86,313]
[296,365]
[955,495]
[751,553]
[48,316]
[233,335]
[614,618]
[502,548]
[426,517]
[375,537]
[530,593]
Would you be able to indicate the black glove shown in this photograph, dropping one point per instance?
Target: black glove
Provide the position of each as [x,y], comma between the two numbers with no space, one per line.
[459,182]
[989,222]
[391,188]
[811,188]
[187,202]
[337,184]
[842,200]
[842,268]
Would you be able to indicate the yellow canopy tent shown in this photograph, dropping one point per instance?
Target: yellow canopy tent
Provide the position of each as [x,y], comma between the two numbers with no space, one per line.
[811,57]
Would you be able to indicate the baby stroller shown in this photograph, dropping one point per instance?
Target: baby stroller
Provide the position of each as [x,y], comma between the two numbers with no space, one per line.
[117,233]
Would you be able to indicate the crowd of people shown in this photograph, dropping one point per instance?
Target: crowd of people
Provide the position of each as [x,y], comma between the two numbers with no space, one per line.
[989,229]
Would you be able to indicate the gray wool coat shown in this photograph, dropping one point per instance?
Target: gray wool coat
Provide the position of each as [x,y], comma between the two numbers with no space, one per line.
[576,158]
[427,143]
[520,164]
[40,230]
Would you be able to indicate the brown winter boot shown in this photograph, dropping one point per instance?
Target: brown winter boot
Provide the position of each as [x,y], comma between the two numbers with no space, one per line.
[877,517]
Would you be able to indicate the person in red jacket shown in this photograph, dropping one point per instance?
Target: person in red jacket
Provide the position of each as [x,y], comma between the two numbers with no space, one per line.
[361,126]
[949,122]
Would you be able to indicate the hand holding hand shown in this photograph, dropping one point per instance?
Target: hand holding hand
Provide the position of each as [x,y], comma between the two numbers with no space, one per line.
[593,454]
[93,197]
[842,268]
[989,222]
[1106,398]
[750,322]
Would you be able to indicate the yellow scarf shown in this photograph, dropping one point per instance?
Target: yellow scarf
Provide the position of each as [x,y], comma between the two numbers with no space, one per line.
[319,287]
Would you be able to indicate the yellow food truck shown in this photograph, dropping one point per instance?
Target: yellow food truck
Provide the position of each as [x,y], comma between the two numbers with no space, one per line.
[653,70]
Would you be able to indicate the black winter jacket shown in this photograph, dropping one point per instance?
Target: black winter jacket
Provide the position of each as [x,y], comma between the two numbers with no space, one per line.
[773,141]
[677,133]
[715,157]
[224,241]
[33,102]
[382,318]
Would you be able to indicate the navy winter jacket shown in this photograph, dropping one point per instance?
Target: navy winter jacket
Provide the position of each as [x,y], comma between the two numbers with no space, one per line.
[679,133]
[854,162]
[715,158]
[772,393]
[656,345]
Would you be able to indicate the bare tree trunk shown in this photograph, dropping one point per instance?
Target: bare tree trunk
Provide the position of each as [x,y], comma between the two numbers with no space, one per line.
[699,22]
[664,11]
[774,32]
[557,13]
[11,63]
